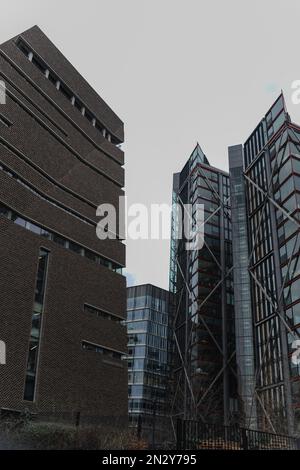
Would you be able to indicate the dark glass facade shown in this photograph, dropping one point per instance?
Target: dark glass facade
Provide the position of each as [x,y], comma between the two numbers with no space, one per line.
[242,292]
[272,176]
[202,281]
[149,326]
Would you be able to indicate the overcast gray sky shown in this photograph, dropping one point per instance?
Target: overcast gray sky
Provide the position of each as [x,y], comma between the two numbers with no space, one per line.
[176,72]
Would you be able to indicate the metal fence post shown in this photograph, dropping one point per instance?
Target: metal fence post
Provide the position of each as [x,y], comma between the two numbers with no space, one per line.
[179,434]
[244,439]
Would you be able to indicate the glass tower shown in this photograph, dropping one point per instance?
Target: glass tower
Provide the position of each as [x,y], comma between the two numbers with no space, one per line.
[242,292]
[149,326]
[201,279]
[271,161]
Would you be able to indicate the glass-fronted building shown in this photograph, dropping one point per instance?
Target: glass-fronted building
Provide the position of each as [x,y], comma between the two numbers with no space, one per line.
[242,291]
[271,165]
[201,279]
[149,327]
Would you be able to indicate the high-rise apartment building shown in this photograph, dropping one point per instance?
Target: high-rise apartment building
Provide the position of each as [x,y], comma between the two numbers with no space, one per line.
[242,292]
[251,237]
[62,293]
[149,326]
[201,279]
[265,185]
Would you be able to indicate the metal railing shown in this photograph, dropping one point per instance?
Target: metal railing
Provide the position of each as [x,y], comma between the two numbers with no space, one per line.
[194,435]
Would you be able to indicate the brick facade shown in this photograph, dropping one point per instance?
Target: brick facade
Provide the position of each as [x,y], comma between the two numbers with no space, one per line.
[63,169]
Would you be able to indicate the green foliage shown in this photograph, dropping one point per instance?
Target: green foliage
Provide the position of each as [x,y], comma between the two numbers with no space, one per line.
[37,435]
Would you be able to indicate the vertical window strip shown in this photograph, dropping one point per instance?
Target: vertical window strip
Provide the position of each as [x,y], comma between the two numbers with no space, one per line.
[34,343]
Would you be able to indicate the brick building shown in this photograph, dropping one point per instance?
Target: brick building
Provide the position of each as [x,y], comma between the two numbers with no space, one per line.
[62,293]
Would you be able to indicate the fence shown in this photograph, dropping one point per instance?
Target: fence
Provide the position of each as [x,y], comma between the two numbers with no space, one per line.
[194,435]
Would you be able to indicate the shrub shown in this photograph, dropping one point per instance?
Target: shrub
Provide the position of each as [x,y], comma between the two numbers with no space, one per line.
[43,436]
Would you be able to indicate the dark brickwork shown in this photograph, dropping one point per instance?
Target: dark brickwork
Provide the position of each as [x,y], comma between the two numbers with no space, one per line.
[63,158]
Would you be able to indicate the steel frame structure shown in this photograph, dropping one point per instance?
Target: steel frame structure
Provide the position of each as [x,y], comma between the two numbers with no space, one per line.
[275,298]
[190,395]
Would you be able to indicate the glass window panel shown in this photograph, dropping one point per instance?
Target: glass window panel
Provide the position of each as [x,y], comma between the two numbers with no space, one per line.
[278,106]
[279,121]
[19,221]
[59,240]
[75,247]
[33,228]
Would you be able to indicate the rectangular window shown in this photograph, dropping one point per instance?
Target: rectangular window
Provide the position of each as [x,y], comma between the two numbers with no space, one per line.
[101,350]
[19,221]
[89,116]
[59,240]
[66,92]
[4,211]
[77,104]
[74,247]
[68,244]
[32,360]
[39,64]
[52,78]
[90,255]
[101,313]
[4,121]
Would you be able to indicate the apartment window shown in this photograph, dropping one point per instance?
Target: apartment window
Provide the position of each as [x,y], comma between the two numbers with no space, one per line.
[33,228]
[74,247]
[38,307]
[101,313]
[45,198]
[23,48]
[287,187]
[66,92]
[4,121]
[291,293]
[52,78]
[90,255]
[89,116]
[45,233]
[101,350]
[4,211]
[77,104]
[41,274]
[68,244]
[285,171]
[19,221]
[279,121]
[39,63]
[59,240]
[99,127]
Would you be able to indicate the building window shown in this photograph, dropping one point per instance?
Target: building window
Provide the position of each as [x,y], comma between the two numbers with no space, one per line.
[75,247]
[4,121]
[101,350]
[38,307]
[65,90]
[101,313]
[65,243]
[59,240]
